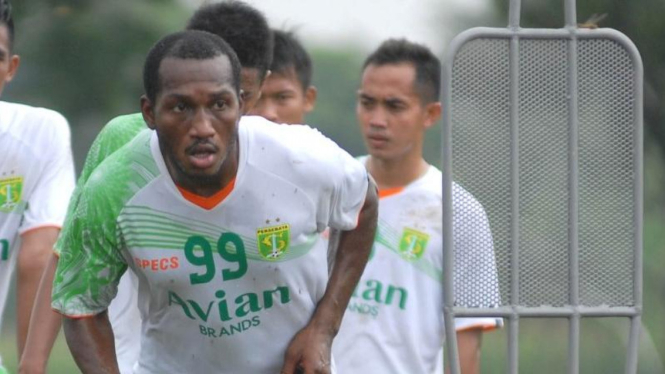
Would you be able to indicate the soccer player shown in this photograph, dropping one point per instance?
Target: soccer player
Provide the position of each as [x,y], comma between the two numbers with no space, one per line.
[247,32]
[394,321]
[287,94]
[36,181]
[219,220]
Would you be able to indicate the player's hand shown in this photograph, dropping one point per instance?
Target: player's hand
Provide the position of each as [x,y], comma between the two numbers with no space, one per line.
[308,352]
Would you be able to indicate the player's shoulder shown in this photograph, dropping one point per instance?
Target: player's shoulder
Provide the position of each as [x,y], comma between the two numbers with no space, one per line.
[120,170]
[34,120]
[123,127]
[464,202]
[291,137]
[297,147]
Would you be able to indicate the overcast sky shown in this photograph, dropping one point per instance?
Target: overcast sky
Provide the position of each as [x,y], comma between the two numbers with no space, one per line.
[365,22]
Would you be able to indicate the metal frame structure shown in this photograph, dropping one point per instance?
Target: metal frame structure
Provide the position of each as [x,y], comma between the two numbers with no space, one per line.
[512,310]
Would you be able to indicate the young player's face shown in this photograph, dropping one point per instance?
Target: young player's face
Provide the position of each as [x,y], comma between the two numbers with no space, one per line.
[250,83]
[196,115]
[8,61]
[283,99]
[391,115]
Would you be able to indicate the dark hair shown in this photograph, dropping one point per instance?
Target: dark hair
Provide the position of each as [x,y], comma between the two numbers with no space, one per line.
[426,64]
[7,20]
[242,26]
[196,45]
[289,53]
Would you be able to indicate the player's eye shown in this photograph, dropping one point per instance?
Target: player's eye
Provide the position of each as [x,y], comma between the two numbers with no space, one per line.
[283,97]
[219,105]
[179,107]
[367,103]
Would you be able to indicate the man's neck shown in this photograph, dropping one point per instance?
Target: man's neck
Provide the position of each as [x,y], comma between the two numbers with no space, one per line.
[396,173]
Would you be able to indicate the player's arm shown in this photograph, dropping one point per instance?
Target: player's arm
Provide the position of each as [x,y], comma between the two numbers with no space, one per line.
[44,325]
[468,347]
[46,208]
[91,341]
[36,247]
[309,350]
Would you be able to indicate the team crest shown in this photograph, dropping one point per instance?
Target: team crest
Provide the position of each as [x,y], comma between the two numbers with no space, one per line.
[273,241]
[412,245]
[10,193]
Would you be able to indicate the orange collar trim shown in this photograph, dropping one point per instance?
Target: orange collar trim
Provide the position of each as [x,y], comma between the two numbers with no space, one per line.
[390,191]
[208,203]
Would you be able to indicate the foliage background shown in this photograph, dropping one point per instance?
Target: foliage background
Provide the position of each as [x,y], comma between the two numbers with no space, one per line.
[84,59]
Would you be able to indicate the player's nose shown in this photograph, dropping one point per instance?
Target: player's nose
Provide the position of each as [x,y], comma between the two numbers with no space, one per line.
[202,124]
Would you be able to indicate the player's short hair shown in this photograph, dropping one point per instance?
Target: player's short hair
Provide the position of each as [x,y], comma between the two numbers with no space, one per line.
[426,64]
[289,53]
[242,26]
[191,44]
[7,20]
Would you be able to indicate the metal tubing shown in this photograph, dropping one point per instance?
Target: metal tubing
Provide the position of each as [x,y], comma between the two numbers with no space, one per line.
[633,344]
[513,345]
[570,13]
[447,228]
[573,207]
[514,9]
[549,311]
[574,344]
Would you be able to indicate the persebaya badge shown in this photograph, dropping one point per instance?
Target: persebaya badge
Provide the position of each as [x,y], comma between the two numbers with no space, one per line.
[10,193]
[273,241]
[413,243]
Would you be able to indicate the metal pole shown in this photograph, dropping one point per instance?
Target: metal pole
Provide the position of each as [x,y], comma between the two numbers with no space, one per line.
[573,201]
[513,333]
[514,9]
[447,228]
[570,11]
[635,326]
[633,344]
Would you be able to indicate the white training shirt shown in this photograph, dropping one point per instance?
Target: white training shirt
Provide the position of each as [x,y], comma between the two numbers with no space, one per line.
[394,321]
[221,290]
[36,178]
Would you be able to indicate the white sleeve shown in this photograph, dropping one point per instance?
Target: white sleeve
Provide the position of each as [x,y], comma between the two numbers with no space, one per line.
[47,203]
[350,182]
[476,278]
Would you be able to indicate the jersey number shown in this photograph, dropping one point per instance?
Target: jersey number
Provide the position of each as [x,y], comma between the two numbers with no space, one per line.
[230,247]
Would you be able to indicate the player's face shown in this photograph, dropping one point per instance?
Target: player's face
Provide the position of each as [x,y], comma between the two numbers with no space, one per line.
[250,83]
[8,61]
[283,99]
[392,117]
[196,115]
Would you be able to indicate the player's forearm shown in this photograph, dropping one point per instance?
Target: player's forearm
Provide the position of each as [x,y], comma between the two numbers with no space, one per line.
[91,342]
[44,325]
[468,345]
[36,249]
[352,254]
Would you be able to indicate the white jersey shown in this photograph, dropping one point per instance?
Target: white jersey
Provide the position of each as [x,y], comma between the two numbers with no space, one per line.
[36,178]
[223,289]
[394,321]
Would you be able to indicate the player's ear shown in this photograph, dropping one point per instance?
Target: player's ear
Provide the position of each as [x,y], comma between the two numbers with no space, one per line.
[310,98]
[147,111]
[14,62]
[432,113]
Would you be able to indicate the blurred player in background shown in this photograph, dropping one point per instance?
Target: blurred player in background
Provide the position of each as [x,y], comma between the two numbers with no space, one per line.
[287,94]
[259,194]
[394,321]
[246,30]
[36,181]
